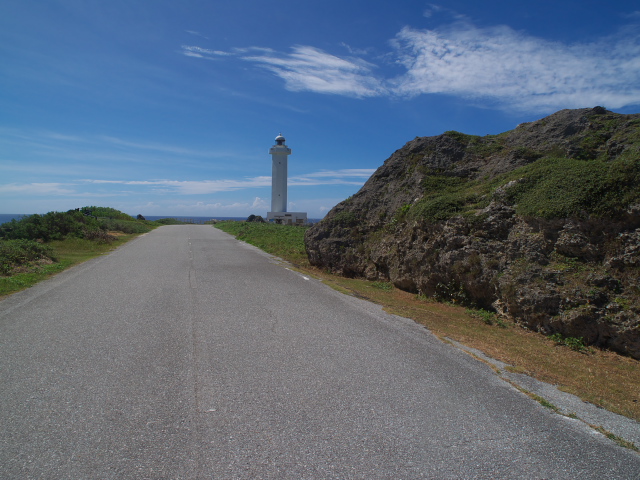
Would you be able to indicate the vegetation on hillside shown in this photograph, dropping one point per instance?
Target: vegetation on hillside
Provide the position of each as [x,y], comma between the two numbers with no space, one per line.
[38,245]
[550,187]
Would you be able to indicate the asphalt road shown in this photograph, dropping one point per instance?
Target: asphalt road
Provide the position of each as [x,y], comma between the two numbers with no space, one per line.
[187,354]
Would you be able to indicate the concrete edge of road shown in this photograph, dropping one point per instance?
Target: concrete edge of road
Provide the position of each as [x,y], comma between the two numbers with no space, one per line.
[568,405]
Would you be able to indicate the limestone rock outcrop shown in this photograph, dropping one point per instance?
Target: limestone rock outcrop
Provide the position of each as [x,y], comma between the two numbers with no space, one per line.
[540,224]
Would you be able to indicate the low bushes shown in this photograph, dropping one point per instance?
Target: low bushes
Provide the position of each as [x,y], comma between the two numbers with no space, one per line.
[23,243]
[124,226]
[50,226]
[16,253]
[79,223]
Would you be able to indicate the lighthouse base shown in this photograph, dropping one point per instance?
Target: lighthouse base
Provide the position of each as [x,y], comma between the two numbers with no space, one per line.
[287,218]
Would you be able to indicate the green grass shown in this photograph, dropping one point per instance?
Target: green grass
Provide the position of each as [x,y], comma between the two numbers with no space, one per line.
[620,441]
[550,187]
[386,286]
[564,187]
[68,252]
[285,241]
[20,281]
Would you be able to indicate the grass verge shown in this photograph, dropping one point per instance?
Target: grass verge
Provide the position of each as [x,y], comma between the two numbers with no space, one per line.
[600,377]
[285,241]
[69,252]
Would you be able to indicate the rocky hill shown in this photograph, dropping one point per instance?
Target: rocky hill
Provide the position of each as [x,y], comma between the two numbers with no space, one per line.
[540,224]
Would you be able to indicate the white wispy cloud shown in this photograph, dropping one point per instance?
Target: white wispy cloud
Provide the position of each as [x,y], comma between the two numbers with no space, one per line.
[492,66]
[346,172]
[95,151]
[200,187]
[349,176]
[432,10]
[193,187]
[307,68]
[160,147]
[517,69]
[36,189]
[195,51]
[232,209]
[312,69]
[356,51]
[197,34]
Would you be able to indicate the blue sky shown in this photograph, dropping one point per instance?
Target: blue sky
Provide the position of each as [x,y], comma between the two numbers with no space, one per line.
[170,107]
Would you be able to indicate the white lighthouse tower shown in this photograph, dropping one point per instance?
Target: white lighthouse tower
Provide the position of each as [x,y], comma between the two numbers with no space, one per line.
[279,171]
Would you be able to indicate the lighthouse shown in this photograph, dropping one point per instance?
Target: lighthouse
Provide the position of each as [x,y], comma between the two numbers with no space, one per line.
[279,160]
[279,171]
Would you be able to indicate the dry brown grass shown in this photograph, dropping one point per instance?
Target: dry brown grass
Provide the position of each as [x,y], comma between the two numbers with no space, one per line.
[603,378]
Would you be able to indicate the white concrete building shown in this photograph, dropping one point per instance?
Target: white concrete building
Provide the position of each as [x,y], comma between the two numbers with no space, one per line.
[279,172]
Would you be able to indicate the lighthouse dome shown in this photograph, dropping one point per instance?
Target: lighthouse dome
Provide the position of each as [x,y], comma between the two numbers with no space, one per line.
[280,139]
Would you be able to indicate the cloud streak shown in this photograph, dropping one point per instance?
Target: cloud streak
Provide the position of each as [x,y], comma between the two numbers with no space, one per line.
[204,187]
[36,189]
[490,66]
[189,187]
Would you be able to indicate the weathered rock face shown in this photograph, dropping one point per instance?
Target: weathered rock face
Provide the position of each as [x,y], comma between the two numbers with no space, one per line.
[540,224]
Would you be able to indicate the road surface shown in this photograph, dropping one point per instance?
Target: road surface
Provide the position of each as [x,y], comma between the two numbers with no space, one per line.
[187,354]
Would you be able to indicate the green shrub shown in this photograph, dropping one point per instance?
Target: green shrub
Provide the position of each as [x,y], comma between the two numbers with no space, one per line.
[168,221]
[445,197]
[50,226]
[486,316]
[345,219]
[125,226]
[573,343]
[565,187]
[459,136]
[99,236]
[78,223]
[106,212]
[386,286]
[16,253]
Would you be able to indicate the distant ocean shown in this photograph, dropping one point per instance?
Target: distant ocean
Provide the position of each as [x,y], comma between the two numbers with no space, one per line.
[7,217]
